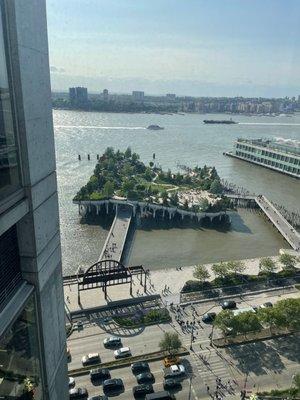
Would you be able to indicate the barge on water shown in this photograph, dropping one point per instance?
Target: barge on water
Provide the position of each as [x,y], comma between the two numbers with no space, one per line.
[281,155]
[219,121]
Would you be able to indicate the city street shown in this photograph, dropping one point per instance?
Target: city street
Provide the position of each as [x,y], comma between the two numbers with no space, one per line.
[254,366]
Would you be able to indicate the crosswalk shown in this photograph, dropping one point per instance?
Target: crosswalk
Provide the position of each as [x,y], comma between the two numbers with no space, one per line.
[208,363]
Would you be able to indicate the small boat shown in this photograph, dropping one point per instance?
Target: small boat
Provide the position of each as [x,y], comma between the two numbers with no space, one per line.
[155,127]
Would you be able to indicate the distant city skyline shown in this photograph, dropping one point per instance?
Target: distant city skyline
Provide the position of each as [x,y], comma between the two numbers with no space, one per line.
[195,48]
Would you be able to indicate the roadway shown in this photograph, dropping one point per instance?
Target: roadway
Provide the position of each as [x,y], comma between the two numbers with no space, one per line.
[261,365]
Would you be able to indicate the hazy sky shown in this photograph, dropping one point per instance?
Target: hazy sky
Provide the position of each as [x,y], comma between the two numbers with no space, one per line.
[189,47]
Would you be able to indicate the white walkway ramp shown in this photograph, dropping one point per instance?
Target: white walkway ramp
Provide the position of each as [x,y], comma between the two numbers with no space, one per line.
[116,238]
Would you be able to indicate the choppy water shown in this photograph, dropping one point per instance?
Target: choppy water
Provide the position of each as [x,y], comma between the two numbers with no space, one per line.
[185,140]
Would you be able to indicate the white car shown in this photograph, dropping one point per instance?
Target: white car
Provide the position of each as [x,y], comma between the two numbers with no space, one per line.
[112,341]
[91,358]
[175,371]
[122,352]
[71,382]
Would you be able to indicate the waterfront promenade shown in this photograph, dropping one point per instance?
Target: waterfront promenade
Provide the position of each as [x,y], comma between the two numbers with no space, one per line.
[282,225]
[115,242]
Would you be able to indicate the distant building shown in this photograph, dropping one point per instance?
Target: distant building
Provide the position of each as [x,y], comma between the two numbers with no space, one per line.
[281,155]
[138,95]
[105,94]
[171,96]
[78,95]
[72,95]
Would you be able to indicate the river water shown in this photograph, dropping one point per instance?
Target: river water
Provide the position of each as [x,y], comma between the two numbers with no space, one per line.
[185,140]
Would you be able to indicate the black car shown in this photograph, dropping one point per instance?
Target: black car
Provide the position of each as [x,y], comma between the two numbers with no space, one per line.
[228,304]
[99,374]
[78,393]
[113,386]
[140,366]
[100,397]
[142,390]
[209,317]
[172,383]
[145,377]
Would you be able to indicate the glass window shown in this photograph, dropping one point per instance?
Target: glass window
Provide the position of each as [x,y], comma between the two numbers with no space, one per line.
[19,358]
[9,171]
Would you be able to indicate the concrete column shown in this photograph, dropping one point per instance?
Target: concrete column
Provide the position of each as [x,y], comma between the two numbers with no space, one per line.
[38,231]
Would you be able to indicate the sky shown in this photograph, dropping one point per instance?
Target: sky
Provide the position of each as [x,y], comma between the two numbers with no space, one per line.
[188,47]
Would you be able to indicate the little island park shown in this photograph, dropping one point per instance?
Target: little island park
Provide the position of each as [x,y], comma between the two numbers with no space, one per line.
[121,178]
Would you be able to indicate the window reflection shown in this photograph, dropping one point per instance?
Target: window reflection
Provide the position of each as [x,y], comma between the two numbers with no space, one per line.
[19,363]
[9,172]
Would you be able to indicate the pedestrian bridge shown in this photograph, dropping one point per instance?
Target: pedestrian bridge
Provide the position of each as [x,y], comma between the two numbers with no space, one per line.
[282,225]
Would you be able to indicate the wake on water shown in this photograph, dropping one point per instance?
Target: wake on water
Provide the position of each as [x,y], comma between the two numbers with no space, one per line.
[99,127]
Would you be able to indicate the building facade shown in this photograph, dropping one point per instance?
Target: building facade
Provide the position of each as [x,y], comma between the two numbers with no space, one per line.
[32,317]
[280,156]
[78,96]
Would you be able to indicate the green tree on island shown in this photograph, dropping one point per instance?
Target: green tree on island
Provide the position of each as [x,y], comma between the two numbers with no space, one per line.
[267,265]
[164,196]
[216,187]
[108,189]
[288,260]
[170,343]
[128,152]
[201,273]
[204,204]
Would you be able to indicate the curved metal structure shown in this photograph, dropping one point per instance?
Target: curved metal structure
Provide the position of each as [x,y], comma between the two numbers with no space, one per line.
[107,273]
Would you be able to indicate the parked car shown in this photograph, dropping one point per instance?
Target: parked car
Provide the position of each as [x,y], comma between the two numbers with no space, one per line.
[142,390]
[91,358]
[209,317]
[112,341]
[139,366]
[99,397]
[78,393]
[111,386]
[161,395]
[122,352]
[228,304]
[267,304]
[71,382]
[145,377]
[175,371]
[172,383]
[99,374]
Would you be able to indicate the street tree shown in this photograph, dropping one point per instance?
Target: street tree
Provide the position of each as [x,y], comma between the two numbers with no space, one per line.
[201,273]
[220,269]
[267,265]
[246,322]
[170,343]
[226,322]
[288,260]
[236,266]
[288,313]
[164,196]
